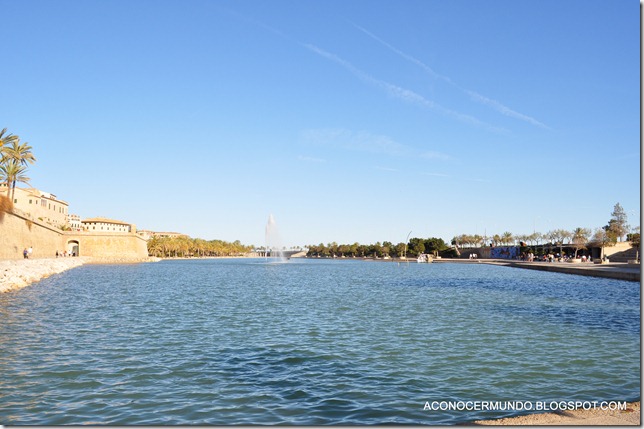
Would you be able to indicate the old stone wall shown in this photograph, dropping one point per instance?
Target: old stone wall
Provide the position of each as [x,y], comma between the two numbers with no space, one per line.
[108,245]
[18,232]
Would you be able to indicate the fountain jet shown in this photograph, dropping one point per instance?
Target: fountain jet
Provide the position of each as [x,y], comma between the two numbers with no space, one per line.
[273,241]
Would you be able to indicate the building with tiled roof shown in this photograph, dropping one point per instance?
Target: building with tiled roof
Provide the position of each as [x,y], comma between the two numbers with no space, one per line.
[102,224]
[38,205]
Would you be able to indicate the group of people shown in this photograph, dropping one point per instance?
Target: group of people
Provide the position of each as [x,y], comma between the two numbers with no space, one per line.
[529,257]
[30,250]
[64,254]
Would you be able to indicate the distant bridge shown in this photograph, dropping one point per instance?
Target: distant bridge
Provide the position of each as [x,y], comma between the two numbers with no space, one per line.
[261,253]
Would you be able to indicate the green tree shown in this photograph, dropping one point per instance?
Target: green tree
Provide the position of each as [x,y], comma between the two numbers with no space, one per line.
[580,237]
[416,246]
[603,238]
[400,249]
[376,249]
[333,249]
[618,222]
[12,172]
[534,238]
[387,248]
[15,158]
[435,245]
[353,249]
[155,247]
[634,238]
[560,237]
[5,140]
[507,238]
[496,238]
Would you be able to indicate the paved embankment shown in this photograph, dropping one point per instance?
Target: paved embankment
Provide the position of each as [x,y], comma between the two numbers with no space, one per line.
[16,274]
[619,271]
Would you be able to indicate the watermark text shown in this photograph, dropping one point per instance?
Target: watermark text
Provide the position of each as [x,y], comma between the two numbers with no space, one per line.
[544,406]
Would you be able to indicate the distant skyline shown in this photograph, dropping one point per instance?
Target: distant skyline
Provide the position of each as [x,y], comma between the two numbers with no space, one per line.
[347,121]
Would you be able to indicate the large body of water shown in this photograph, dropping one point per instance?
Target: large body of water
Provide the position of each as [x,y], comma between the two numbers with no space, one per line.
[241,341]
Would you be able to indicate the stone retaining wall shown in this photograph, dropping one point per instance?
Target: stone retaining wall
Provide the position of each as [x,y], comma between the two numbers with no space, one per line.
[106,245]
[18,232]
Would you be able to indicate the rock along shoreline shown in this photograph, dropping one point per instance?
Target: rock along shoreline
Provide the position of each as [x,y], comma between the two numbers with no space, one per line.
[17,274]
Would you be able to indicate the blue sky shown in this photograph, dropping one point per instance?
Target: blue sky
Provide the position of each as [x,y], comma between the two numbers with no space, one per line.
[347,120]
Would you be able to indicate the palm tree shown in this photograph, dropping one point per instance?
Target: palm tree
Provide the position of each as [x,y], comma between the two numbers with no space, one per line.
[496,239]
[21,153]
[11,172]
[580,237]
[6,139]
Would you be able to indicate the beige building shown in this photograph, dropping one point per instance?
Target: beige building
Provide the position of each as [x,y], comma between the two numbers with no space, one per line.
[101,224]
[74,222]
[40,220]
[38,205]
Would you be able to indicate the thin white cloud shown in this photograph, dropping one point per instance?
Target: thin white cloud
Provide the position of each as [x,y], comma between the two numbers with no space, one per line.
[408,57]
[435,174]
[310,159]
[436,155]
[391,170]
[359,141]
[363,141]
[499,107]
[338,60]
[401,93]
[504,110]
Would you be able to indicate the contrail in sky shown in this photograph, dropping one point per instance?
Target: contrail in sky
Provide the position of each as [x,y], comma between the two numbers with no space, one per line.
[499,107]
[399,92]
[402,93]
[419,63]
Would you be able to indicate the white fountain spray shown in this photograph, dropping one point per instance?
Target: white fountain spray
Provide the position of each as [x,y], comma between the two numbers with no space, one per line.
[273,242]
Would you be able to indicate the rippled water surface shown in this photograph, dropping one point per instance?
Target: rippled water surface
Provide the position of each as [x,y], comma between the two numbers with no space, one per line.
[241,341]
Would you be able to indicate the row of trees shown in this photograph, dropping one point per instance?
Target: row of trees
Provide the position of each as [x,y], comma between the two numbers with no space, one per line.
[577,239]
[15,156]
[616,228]
[556,236]
[414,247]
[184,246]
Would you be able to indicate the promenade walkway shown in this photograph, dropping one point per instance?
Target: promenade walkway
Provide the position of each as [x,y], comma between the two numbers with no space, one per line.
[613,270]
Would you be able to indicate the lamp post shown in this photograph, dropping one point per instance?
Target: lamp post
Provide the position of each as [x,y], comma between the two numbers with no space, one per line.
[406,243]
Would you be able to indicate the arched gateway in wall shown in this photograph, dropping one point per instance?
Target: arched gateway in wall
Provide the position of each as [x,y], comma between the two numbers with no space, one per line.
[73,247]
